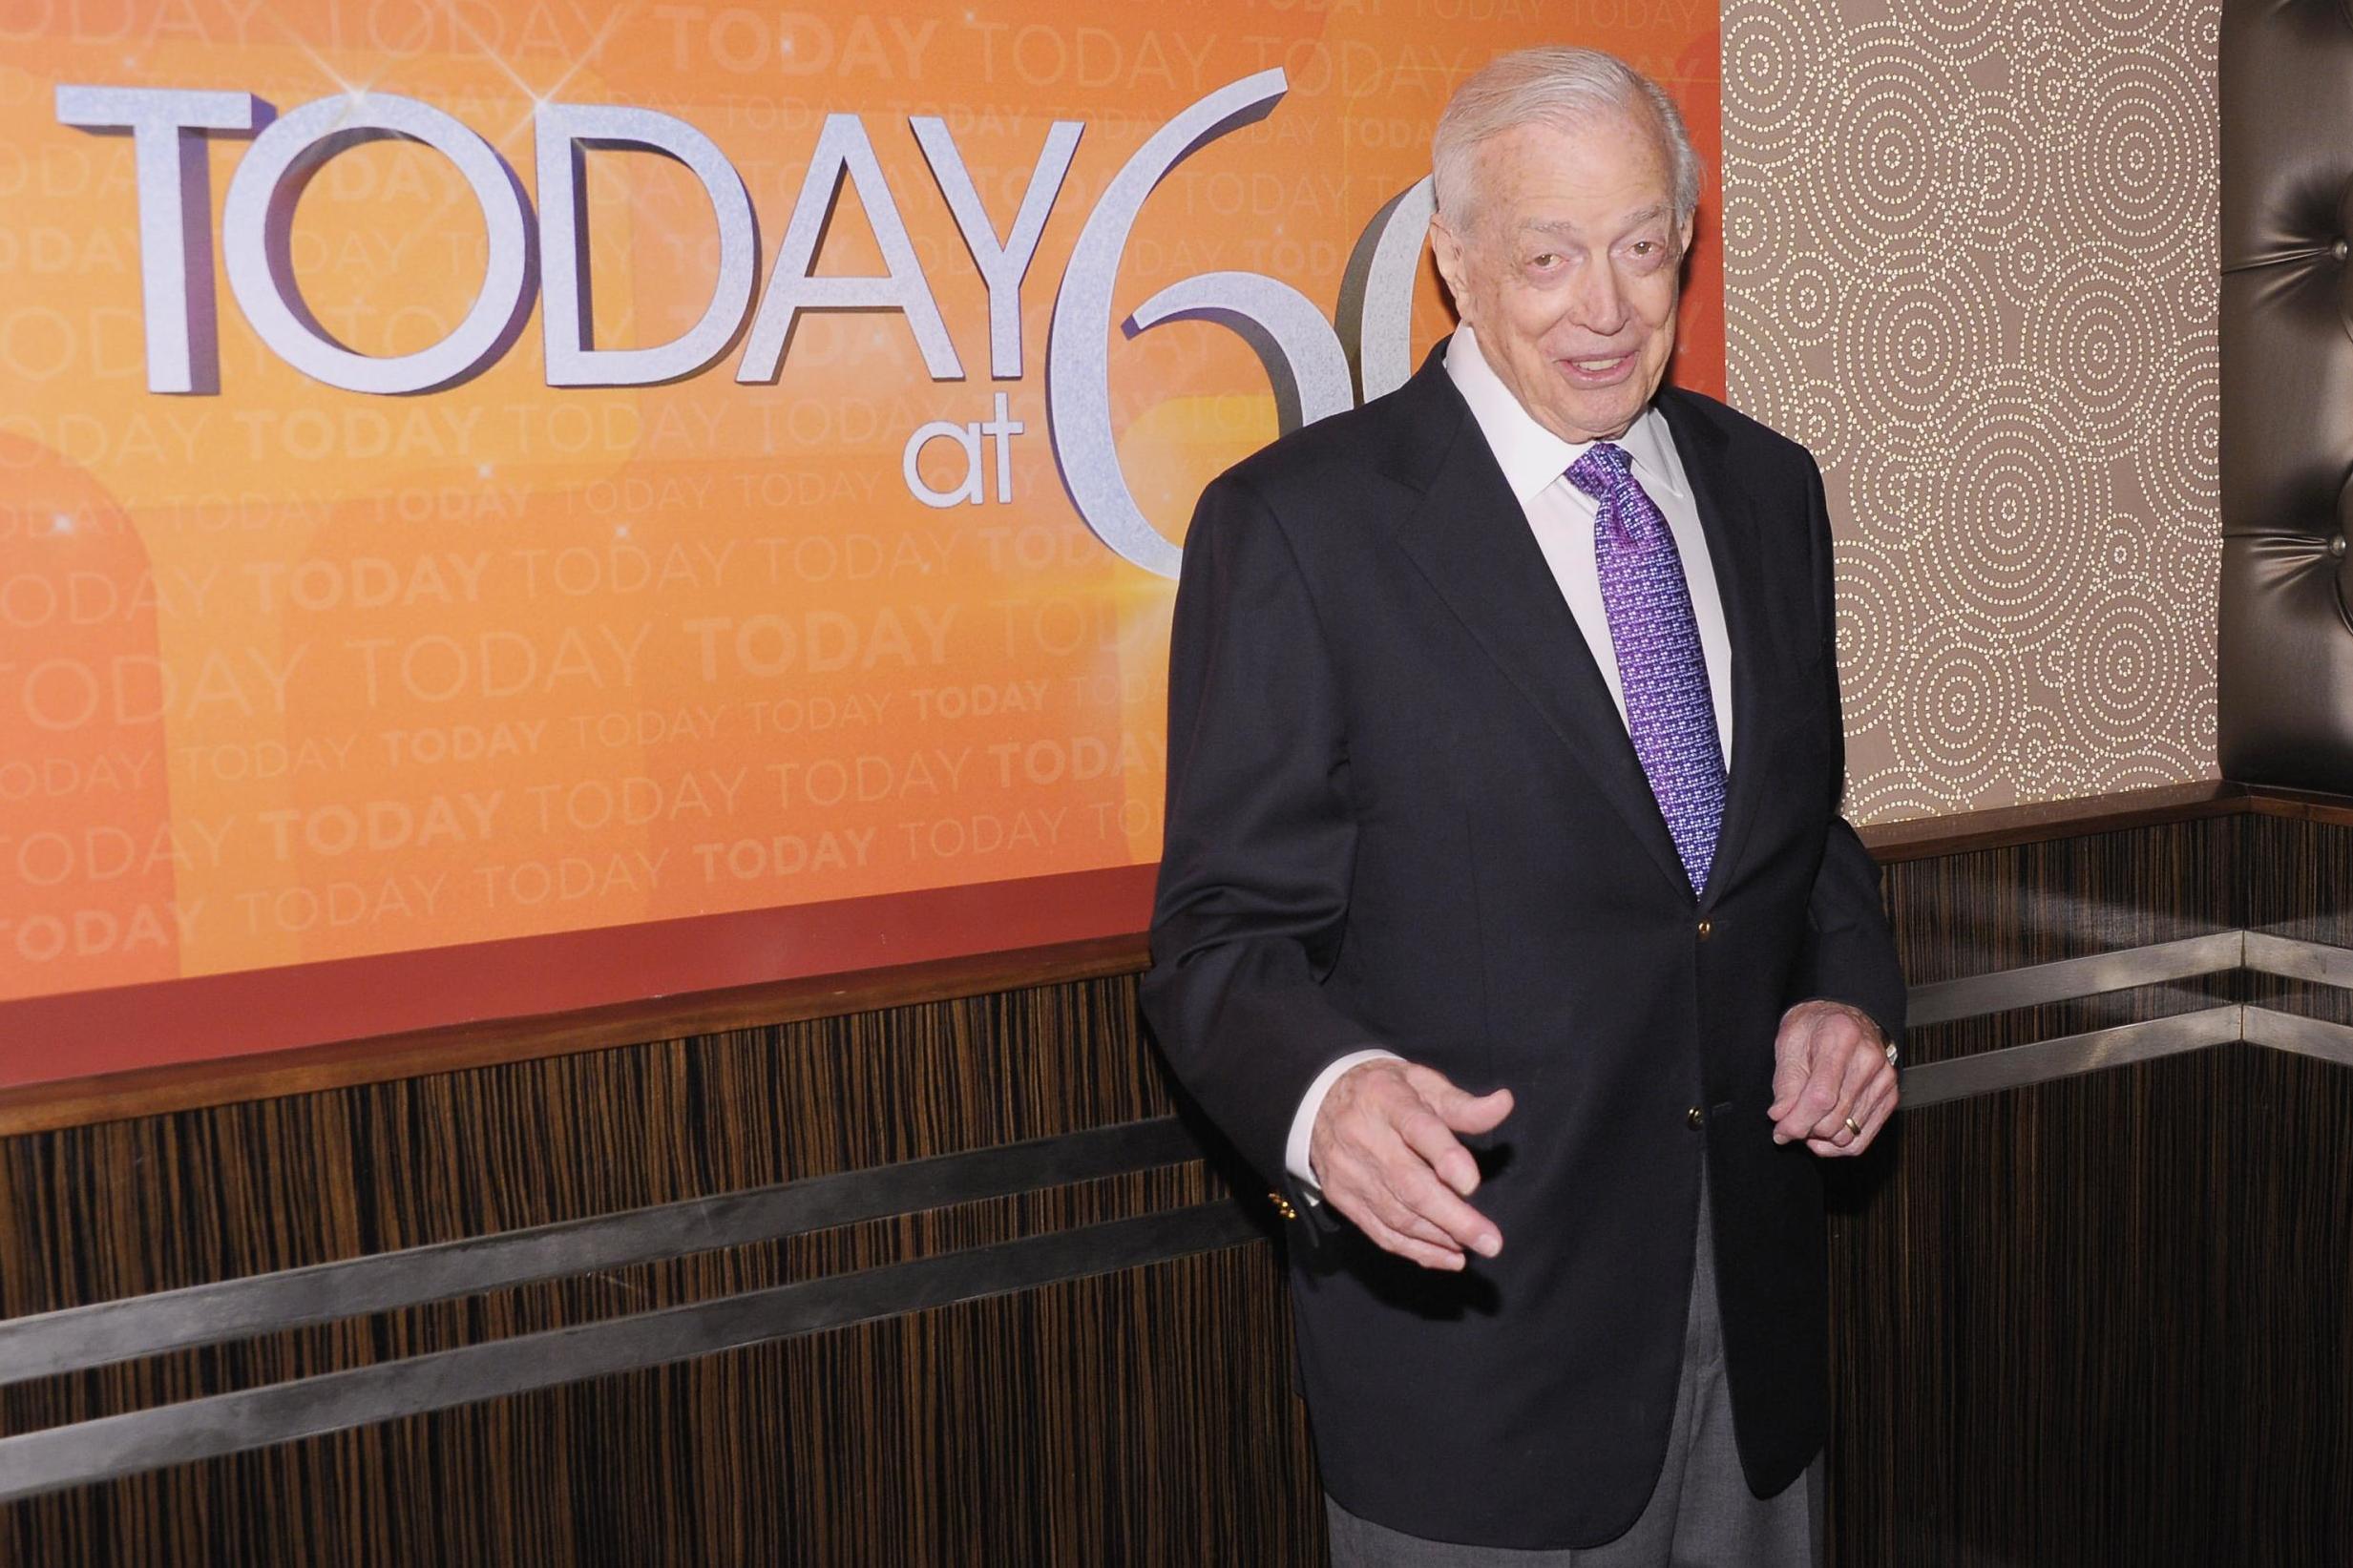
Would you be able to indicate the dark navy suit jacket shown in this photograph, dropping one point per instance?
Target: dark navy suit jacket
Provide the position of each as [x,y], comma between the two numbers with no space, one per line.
[1403,810]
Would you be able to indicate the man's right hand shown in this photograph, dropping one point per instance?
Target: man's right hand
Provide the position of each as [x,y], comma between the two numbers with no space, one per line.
[1385,1155]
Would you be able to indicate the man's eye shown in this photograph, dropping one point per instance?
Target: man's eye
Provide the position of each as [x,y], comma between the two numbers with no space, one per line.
[1645,247]
[1546,258]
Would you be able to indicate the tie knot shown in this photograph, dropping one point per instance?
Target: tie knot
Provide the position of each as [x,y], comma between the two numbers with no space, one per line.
[1601,470]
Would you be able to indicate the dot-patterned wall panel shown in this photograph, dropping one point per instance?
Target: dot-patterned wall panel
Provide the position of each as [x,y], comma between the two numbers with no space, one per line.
[1970,261]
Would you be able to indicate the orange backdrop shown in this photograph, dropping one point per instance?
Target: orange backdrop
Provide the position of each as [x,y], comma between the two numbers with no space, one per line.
[326,690]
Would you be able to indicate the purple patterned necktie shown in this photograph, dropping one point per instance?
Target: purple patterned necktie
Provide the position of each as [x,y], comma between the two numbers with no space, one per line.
[1661,669]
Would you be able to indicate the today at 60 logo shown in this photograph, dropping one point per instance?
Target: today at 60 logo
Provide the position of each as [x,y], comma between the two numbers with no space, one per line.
[1312,370]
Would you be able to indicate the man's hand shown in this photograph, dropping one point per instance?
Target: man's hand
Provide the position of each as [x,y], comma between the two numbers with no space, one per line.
[1384,1152]
[1830,1063]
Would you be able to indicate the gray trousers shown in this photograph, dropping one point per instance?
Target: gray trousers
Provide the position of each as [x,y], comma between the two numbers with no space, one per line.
[1702,1514]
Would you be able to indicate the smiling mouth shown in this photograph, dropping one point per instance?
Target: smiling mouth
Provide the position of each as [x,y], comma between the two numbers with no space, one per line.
[1597,372]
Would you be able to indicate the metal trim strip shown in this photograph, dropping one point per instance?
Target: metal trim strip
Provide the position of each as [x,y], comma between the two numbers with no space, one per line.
[2017,1066]
[116,1446]
[2068,979]
[2303,1036]
[71,1338]
[2292,958]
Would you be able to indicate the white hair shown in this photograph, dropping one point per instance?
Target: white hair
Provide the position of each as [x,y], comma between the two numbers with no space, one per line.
[1557,85]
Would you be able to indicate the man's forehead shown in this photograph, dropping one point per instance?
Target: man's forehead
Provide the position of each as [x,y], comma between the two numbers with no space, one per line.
[1608,151]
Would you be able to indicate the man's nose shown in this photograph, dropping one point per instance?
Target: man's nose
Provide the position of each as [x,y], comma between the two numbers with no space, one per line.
[1598,304]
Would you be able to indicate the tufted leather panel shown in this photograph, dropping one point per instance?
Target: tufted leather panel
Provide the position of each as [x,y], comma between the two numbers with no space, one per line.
[2286,654]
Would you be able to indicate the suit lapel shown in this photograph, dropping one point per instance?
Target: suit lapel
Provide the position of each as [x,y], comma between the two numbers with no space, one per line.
[1471,539]
[1728,519]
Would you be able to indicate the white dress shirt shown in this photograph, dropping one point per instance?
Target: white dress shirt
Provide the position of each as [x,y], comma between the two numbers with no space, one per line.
[1535,464]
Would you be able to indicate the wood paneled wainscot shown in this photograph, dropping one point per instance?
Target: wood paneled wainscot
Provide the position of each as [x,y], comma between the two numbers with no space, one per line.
[928,1266]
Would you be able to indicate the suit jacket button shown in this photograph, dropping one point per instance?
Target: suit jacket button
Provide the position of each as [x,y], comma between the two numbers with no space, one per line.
[1693,1118]
[1706,928]
[1282,1204]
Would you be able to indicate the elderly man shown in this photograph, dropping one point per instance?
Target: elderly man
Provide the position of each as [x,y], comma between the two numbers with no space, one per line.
[1507,919]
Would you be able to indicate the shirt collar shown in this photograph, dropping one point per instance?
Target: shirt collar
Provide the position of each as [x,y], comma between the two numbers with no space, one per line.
[1531,456]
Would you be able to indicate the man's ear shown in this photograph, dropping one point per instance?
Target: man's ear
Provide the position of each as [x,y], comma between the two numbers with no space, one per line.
[1446,249]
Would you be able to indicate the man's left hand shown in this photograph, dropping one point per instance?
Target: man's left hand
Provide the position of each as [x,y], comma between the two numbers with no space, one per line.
[1830,1065]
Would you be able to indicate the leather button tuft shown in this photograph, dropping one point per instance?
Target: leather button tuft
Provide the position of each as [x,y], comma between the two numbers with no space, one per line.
[2341,249]
[1694,1116]
[2336,545]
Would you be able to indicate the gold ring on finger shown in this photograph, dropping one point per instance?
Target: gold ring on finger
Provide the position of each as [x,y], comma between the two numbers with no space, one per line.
[1853,1126]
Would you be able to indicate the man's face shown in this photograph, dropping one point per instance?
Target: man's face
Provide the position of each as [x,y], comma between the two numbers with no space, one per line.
[1569,268]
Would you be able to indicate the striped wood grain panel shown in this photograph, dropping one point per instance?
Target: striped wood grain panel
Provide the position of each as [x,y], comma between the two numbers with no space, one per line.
[1988,910]
[1138,1418]
[1146,1416]
[2300,884]
[1153,1404]
[2104,1320]
[1992,909]
[125,1208]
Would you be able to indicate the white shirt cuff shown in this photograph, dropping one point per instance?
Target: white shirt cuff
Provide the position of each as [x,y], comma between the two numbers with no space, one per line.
[1297,1150]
